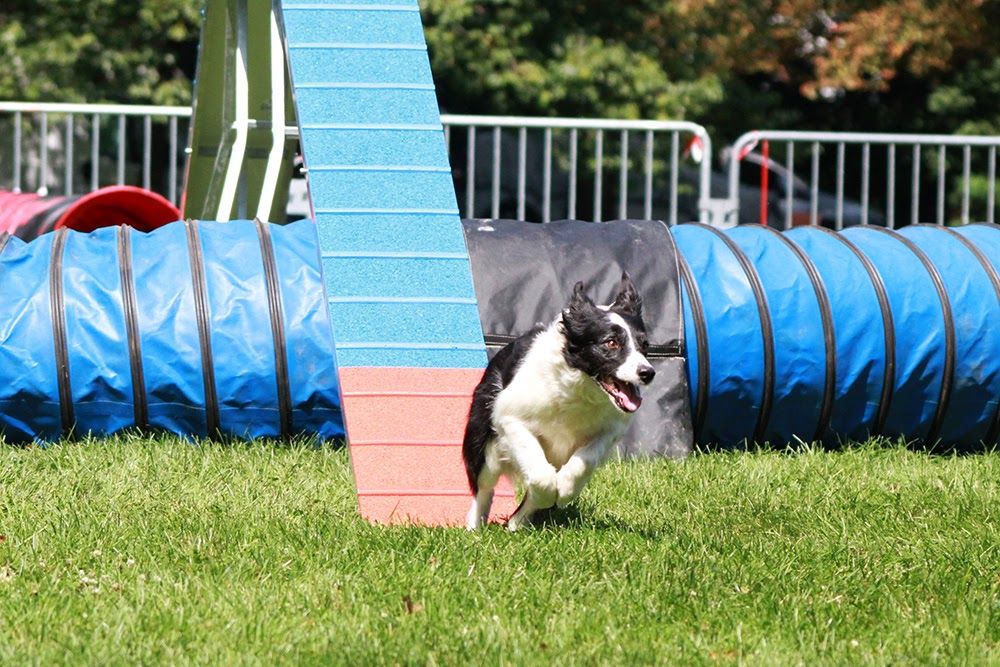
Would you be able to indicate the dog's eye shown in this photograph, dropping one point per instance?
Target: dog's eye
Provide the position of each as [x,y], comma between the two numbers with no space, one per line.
[611,344]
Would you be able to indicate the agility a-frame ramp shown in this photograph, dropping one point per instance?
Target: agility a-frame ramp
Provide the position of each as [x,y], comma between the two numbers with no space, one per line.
[355,79]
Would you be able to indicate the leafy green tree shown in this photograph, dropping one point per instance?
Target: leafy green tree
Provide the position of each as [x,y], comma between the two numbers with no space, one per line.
[565,58]
[99,50]
[731,64]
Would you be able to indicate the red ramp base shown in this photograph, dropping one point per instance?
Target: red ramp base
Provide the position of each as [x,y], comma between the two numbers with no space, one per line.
[405,428]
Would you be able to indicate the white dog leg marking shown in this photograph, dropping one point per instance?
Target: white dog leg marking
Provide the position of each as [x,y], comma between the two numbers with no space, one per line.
[523,514]
[538,495]
[537,473]
[480,510]
[479,513]
[573,476]
[571,479]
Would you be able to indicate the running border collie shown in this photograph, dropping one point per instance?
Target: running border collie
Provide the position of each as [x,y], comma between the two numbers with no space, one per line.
[552,404]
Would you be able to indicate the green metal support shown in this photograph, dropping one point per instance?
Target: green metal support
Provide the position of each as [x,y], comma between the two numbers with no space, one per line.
[241,149]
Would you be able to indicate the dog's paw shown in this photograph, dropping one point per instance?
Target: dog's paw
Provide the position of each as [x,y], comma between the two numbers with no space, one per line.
[568,487]
[544,489]
[474,520]
[567,499]
[515,522]
[567,495]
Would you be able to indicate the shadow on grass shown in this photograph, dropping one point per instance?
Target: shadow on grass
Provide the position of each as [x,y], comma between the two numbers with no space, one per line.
[573,517]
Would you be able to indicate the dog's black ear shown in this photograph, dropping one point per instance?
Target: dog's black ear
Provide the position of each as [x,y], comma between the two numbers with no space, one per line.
[628,299]
[579,297]
[580,305]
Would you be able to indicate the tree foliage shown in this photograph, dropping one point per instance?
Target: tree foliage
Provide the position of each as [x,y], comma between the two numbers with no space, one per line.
[931,65]
[732,64]
[98,50]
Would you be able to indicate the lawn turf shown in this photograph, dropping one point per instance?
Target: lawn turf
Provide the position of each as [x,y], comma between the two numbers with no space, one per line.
[153,550]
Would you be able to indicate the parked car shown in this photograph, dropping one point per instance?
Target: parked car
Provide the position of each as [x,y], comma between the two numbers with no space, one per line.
[778,179]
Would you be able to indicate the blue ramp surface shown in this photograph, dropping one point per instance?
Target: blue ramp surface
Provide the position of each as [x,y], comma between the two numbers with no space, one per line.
[396,266]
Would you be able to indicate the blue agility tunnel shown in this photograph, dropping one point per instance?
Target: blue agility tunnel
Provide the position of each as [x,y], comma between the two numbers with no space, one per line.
[817,335]
[196,328]
[223,328]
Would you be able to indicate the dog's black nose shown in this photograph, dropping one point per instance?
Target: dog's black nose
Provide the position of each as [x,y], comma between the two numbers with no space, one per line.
[646,374]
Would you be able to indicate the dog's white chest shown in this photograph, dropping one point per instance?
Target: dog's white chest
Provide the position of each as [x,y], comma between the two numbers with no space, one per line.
[575,425]
[564,409]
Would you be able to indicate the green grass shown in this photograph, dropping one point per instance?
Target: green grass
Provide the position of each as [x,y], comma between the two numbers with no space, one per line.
[134,550]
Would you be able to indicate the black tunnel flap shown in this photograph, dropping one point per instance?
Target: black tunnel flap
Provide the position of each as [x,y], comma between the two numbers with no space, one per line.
[524,272]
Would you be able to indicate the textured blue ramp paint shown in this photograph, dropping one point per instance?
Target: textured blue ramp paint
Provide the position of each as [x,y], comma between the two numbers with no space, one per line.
[376,106]
[350,64]
[415,357]
[312,23]
[378,191]
[375,148]
[411,277]
[29,395]
[360,232]
[380,183]
[427,323]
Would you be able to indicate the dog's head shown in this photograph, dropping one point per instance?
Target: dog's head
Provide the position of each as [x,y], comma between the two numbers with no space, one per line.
[609,343]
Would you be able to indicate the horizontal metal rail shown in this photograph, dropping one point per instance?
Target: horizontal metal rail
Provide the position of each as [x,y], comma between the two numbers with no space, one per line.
[540,166]
[101,109]
[889,157]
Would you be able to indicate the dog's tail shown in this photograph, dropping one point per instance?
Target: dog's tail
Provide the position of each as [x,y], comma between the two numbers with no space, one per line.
[479,428]
[478,432]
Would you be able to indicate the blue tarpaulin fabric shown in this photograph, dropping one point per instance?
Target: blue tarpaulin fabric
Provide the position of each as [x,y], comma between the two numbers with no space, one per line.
[205,328]
[817,335]
[188,322]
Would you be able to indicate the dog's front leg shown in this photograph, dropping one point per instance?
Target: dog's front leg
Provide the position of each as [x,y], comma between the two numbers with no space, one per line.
[537,473]
[575,474]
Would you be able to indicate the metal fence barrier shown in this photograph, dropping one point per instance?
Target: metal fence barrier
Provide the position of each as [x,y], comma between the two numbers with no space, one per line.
[547,168]
[882,167]
[528,168]
[39,147]
[592,169]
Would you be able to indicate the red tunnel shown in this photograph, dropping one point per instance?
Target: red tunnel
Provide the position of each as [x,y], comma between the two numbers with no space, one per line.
[28,215]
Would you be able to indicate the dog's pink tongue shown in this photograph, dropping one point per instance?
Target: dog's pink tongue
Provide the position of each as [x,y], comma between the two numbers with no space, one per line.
[627,396]
[630,399]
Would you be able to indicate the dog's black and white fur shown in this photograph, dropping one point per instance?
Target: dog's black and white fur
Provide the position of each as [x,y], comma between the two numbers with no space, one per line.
[552,404]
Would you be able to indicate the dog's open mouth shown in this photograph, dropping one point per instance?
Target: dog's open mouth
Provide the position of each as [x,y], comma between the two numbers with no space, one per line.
[624,394]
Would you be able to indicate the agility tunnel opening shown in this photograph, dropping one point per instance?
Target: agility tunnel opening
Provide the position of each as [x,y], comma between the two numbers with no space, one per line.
[28,216]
